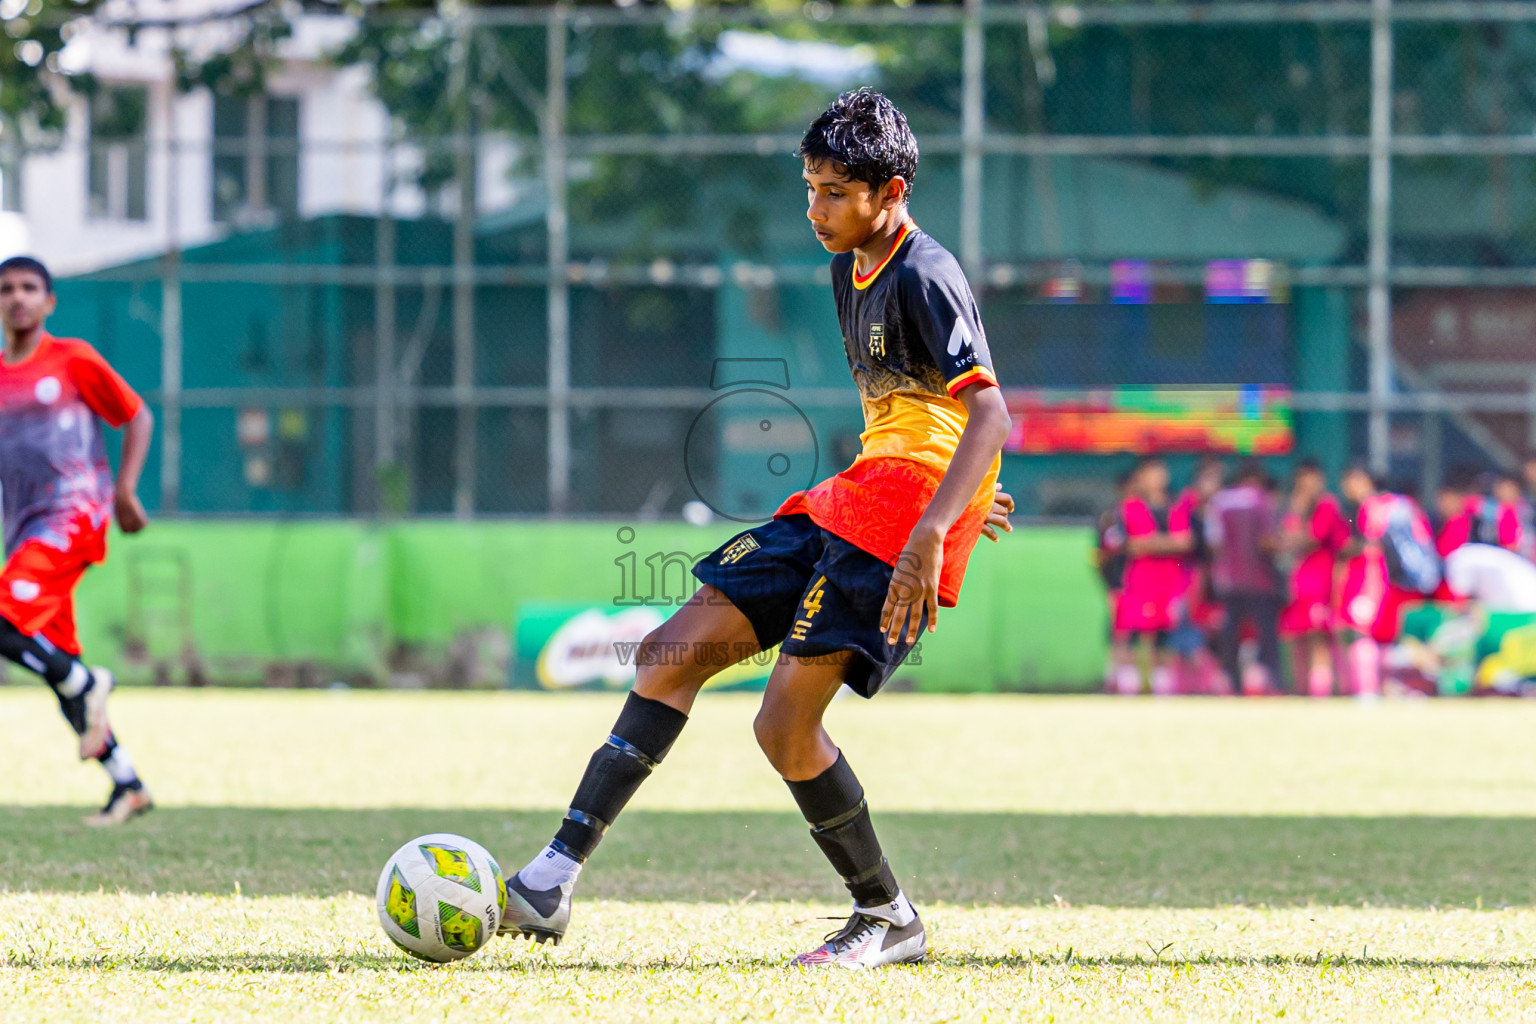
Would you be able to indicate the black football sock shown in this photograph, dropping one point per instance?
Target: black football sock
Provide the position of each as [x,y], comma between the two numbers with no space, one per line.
[833,803]
[645,731]
[61,670]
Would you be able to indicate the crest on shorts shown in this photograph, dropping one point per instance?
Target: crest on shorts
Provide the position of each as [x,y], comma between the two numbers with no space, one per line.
[738,549]
[877,340]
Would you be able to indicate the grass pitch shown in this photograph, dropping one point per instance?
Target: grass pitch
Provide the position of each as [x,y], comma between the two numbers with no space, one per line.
[1074,859]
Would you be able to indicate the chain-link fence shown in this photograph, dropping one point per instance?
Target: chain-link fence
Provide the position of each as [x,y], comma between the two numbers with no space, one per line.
[516,271]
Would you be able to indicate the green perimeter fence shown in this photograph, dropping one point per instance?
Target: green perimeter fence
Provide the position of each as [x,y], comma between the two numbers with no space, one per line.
[427,603]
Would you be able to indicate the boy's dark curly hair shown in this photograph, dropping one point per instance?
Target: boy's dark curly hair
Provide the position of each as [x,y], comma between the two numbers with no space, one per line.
[864,133]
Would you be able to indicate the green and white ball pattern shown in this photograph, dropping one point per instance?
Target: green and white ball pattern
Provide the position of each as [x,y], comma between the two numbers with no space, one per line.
[441,897]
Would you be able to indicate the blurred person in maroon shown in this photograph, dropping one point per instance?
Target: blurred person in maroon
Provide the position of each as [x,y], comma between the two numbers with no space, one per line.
[1240,527]
[1313,530]
[1158,537]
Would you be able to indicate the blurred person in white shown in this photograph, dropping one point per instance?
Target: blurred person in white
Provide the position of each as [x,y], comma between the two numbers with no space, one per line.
[1240,527]
[1493,577]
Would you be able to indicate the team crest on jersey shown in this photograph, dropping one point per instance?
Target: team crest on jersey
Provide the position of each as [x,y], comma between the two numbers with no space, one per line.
[877,340]
[48,390]
[740,548]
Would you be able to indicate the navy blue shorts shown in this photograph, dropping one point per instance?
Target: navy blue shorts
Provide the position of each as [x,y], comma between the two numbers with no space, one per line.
[811,591]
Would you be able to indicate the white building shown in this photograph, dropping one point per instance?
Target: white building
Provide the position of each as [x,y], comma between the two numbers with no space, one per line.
[145,167]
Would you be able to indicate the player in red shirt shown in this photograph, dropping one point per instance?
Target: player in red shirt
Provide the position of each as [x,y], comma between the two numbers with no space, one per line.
[1515,529]
[1469,517]
[1158,536]
[56,497]
[1200,615]
[1312,533]
[1369,605]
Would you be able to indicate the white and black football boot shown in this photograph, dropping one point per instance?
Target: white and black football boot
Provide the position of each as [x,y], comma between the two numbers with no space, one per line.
[126,803]
[95,729]
[867,941]
[540,916]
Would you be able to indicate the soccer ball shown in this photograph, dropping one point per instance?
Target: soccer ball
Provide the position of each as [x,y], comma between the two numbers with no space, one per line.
[441,897]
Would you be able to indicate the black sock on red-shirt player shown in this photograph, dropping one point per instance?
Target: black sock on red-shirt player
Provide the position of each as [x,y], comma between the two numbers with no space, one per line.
[40,656]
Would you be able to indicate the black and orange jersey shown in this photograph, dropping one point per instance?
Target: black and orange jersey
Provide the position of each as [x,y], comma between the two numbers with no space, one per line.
[914,340]
[913,337]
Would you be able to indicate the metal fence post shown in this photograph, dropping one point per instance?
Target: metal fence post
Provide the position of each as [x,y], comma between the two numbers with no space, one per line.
[558,295]
[972,127]
[1379,301]
[384,243]
[464,171]
[170,321]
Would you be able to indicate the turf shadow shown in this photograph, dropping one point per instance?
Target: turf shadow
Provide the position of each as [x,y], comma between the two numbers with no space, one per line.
[983,859]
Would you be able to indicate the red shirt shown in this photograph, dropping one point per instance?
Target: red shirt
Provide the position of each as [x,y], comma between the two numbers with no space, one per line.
[875,503]
[1155,574]
[53,461]
[1463,527]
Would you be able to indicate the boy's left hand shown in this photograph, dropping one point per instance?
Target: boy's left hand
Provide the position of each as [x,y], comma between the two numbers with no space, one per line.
[1002,508]
[914,587]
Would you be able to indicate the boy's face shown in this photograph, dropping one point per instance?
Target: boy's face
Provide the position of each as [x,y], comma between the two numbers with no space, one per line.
[25,301]
[1356,486]
[1309,483]
[1506,491]
[1208,481]
[844,214]
[1450,503]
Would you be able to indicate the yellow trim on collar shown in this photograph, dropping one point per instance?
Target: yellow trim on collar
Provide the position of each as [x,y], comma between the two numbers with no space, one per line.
[862,283]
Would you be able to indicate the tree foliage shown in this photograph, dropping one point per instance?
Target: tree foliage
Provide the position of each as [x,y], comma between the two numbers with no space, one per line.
[34,84]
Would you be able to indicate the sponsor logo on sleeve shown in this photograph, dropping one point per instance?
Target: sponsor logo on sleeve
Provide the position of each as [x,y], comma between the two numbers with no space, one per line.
[959,337]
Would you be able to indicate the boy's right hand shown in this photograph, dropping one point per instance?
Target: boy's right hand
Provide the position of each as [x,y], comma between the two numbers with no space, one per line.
[131,517]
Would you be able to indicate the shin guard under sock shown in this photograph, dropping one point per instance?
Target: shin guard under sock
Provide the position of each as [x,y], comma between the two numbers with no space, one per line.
[645,731]
[833,803]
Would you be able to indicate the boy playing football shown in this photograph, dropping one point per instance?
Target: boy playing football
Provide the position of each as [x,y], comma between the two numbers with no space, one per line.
[56,496]
[848,574]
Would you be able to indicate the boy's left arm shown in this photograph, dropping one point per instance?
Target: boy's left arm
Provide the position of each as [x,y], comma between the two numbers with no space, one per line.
[107,395]
[131,517]
[915,585]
